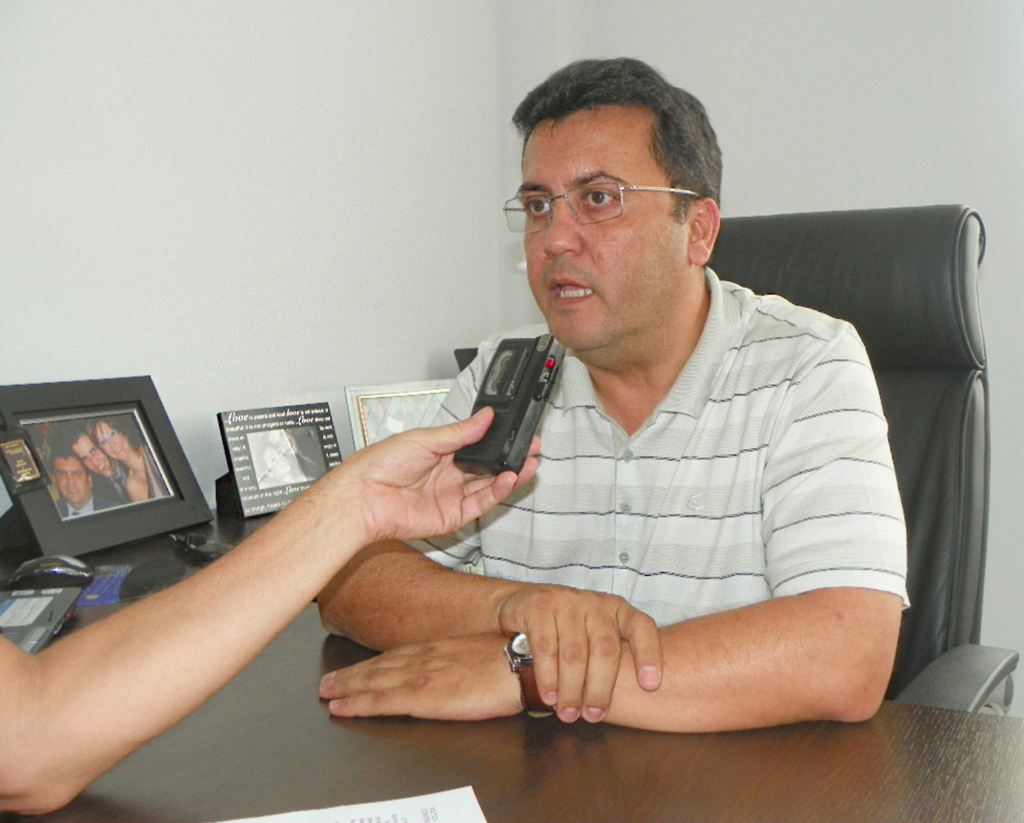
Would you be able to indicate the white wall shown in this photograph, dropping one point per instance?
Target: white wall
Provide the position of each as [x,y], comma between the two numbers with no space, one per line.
[871,103]
[256,203]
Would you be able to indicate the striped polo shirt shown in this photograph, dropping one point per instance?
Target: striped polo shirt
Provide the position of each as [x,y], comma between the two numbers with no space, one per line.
[765,471]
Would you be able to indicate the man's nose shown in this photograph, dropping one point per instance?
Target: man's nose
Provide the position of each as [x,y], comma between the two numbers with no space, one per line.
[562,232]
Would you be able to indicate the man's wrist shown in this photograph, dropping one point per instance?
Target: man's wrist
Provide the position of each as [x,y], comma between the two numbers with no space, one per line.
[520,659]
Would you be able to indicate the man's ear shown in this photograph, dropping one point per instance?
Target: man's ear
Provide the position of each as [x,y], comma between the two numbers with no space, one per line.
[705,220]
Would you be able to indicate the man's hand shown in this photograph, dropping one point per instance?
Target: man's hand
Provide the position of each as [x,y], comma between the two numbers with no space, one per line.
[462,678]
[576,638]
[408,485]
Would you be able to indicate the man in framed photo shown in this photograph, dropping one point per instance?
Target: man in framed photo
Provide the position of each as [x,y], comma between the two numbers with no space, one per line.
[74,482]
[108,476]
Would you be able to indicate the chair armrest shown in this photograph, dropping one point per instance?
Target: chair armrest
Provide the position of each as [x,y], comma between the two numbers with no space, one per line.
[963,678]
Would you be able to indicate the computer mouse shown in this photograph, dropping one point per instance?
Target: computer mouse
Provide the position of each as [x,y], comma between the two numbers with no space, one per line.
[53,571]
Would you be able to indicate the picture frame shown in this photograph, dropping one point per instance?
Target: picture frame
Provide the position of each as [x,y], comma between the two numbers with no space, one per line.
[378,411]
[151,489]
[274,454]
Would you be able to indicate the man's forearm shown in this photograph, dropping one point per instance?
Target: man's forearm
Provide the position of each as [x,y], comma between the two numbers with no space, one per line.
[390,594]
[822,655]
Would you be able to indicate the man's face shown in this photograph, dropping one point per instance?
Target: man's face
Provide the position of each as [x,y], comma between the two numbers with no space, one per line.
[606,289]
[92,456]
[73,481]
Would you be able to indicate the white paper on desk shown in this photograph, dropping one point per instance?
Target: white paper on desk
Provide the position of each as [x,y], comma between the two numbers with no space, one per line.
[454,806]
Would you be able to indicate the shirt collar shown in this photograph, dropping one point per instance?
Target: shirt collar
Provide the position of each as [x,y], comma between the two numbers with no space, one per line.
[88,508]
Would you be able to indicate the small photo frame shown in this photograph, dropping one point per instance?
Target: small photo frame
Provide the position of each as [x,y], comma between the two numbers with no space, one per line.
[376,412]
[275,454]
[115,470]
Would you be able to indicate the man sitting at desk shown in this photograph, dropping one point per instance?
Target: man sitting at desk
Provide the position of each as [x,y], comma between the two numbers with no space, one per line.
[714,539]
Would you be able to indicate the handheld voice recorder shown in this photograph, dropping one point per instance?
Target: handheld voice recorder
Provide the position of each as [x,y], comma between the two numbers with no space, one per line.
[517,384]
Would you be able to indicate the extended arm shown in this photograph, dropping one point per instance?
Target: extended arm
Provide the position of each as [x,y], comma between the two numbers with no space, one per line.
[71,712]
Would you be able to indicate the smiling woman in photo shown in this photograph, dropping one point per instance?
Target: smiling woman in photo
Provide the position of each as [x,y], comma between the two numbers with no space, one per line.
[144,479]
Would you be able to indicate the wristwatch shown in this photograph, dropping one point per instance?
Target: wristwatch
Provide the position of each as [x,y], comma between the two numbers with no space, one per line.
[520,658]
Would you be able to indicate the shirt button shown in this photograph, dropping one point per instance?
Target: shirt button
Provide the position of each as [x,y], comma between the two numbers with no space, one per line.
[623,558]
[625,507]
[627,455]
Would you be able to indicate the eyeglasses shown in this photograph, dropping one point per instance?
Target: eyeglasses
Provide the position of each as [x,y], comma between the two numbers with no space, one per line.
[593,202]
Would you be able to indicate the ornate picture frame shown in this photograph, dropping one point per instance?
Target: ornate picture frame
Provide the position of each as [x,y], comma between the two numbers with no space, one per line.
[378,411]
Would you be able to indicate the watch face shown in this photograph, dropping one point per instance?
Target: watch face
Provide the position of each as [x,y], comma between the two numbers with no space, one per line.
[521,646]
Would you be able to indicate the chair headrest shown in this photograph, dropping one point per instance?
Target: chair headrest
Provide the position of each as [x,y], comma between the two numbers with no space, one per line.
[906,278]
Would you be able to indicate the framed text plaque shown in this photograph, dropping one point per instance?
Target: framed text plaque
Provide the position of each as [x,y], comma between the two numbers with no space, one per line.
[274,454]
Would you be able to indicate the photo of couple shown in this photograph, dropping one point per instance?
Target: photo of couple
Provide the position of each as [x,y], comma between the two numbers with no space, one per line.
[97,463]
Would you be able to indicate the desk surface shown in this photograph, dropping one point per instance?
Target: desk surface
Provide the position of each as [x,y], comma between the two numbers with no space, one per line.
[266,745]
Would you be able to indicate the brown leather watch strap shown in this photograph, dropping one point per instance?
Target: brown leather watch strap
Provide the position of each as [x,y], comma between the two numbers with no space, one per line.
[520,658]
[529,694]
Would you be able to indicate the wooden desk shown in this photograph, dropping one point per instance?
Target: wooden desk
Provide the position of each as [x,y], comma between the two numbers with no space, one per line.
[265,745]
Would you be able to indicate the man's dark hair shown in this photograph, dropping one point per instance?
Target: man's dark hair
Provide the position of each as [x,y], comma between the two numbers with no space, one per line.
[682,143]
[60,444]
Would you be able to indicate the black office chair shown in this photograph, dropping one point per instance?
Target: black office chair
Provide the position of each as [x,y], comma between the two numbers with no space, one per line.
[907,280]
